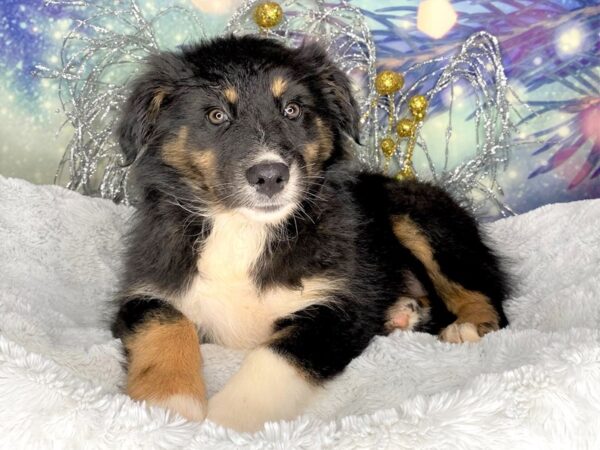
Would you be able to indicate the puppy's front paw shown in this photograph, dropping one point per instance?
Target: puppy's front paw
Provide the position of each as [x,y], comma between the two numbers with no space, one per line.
[185,405]
[457,333]
[229,413]
[268,387]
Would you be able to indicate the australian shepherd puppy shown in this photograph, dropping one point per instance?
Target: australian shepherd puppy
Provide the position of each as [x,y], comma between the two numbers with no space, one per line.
[257,231]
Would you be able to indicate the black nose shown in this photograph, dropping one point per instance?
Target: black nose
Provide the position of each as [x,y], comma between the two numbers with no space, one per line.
[268,178]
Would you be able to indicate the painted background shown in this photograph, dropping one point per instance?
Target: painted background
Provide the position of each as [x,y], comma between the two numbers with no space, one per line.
[551,51]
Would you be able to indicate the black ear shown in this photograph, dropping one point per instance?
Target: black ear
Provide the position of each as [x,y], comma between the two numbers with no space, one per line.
[149,93]
[336,88]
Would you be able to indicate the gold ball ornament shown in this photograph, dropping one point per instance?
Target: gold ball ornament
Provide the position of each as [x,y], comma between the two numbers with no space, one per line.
[406,173]
[417,106]
[405,127]
[268,14]
[388,147]
[388,82]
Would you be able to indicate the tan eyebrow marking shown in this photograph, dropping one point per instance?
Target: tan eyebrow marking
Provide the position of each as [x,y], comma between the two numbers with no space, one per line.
[278,86]
[231,94]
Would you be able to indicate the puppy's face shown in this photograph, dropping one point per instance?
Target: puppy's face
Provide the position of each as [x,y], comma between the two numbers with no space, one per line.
[239,124]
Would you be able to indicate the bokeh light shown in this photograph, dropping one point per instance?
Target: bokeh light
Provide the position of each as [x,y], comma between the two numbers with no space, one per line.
[570,40]
[216,6]
[435,18]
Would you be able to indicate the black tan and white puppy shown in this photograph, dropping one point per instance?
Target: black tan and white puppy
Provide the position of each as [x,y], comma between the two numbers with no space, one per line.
[255,230]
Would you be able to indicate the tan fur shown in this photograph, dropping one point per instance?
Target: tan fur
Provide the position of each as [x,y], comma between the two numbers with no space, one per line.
[230,94]
[223,299]
[205,161]
[198,166]
[266,388]
[319,151]
[468,306]
[165,366]
[311,155]
[156,103]
[325,139]
[278,86]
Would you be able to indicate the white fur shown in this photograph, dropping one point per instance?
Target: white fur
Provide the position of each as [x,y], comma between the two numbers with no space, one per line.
[185,405]
[457,333]
[269,156]
[532,385]
[266,388]
[269,217]
[223,300]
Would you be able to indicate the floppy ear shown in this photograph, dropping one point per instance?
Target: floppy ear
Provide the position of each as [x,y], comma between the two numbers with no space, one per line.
[336,89]
[149,94]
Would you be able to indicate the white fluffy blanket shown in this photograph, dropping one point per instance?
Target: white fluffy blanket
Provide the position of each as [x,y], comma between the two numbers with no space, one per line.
[535,384]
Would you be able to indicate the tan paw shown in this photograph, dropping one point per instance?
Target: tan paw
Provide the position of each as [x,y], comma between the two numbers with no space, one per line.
[460,332]
[185,405]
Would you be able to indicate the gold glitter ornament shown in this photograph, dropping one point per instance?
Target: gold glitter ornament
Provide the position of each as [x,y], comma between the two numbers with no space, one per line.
[405,127]
[417,106]
[406,173]
[388,82]
[388,147]
[268,14]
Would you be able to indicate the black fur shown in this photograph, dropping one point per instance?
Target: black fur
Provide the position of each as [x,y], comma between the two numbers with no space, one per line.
[345,230]
[136,311]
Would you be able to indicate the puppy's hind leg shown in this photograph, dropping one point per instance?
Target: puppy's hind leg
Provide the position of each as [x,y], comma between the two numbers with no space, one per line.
[407,314]
[475,312]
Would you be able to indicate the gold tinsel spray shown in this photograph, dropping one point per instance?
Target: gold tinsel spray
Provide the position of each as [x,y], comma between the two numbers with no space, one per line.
[388,83]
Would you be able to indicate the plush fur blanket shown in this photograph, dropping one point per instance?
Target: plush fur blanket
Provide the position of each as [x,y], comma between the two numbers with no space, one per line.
[535,384]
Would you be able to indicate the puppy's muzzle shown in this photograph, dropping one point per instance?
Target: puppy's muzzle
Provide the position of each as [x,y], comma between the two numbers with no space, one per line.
[268,178]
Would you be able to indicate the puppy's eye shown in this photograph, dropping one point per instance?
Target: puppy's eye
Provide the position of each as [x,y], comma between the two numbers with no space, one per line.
[217,116]
[292,111]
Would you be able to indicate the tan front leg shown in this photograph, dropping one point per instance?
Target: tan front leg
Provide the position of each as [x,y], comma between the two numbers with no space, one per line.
[165,366]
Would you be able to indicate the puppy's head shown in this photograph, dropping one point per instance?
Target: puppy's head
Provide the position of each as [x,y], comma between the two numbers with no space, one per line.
[241,124]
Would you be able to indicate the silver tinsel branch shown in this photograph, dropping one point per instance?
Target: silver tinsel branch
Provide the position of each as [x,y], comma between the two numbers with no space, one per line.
[479,64]
[99,55]
[91,92]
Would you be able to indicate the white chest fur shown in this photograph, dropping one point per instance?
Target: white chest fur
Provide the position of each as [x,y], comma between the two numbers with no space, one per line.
[223,300]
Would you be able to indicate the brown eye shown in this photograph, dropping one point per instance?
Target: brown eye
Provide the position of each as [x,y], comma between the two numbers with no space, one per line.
[292,111]
[217,116]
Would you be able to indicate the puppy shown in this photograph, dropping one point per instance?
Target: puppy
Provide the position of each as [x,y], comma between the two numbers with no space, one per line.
[256,230]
